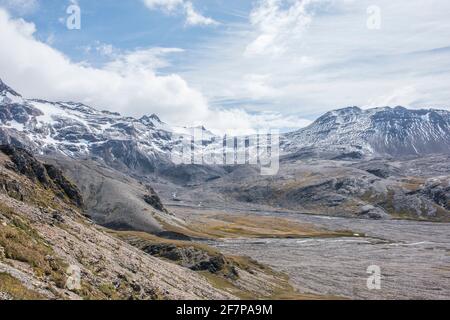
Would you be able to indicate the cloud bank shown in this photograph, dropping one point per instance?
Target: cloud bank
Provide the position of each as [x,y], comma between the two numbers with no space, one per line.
[129,83]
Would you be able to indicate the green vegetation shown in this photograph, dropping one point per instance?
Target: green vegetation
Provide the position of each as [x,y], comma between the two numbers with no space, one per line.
[224,226]
[14,288]
[22,243]
[402,212]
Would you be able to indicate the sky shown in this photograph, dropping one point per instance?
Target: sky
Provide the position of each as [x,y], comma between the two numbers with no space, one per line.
[230,65]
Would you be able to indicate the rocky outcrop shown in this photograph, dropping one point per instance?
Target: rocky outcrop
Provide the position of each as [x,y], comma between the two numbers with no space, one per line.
[65,187]
[189,257]
[154,200]
[437,191]
[188,254]
[23,162]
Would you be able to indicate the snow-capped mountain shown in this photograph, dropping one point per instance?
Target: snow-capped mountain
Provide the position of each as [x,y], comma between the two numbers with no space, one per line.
[8,95]
[79,131]
[146,144]
[381,131]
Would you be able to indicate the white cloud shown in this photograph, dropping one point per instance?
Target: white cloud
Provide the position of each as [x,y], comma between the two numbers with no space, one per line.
[193,17]
[258,86]
[50,39]
[138,60]
[277,25]
[169,5]
[239,122]
[307,57]
[105,49]
[406,95]
[129,83]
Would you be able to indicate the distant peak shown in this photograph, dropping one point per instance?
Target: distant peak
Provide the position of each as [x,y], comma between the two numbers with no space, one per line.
[151,118]
[353,109]
[5,89]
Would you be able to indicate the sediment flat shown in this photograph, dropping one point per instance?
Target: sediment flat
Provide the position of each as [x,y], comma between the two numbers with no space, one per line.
[413,256]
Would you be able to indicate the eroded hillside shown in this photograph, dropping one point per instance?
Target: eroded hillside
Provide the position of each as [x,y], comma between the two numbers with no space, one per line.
[43,234]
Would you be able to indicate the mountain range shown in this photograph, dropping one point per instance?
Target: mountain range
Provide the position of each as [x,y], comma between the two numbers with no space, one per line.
[374,140]
[80,131]
[101,191]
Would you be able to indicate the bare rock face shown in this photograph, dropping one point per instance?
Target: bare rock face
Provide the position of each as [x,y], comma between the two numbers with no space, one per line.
[154,200]
[381,131]
[436,190]
[68,188]
[24,163]
[48,176]
[189,257]
[373,212]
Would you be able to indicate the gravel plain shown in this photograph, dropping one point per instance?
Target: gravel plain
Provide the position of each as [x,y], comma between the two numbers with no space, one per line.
[414,258]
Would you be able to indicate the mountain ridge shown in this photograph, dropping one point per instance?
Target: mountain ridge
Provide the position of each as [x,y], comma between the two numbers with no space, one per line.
[382,131]
[143,145]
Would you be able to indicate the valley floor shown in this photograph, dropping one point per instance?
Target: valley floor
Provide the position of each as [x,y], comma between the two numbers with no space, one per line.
[413,257]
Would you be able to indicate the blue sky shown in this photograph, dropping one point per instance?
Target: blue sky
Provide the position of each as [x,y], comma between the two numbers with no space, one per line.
[230,64]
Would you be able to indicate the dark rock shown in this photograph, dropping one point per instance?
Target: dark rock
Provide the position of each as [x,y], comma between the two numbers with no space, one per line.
[213,265]
[154,200]
[189,257]
[170,235]
[349,156]
[69,189]
[438,193]
[24,163]
[58,217]
[48,176]
[135,286]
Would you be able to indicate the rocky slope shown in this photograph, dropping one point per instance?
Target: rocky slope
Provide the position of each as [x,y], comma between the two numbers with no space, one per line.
[47,244]
[44,237]
[375,189]
[392,132]
[379,188]
[113,199]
